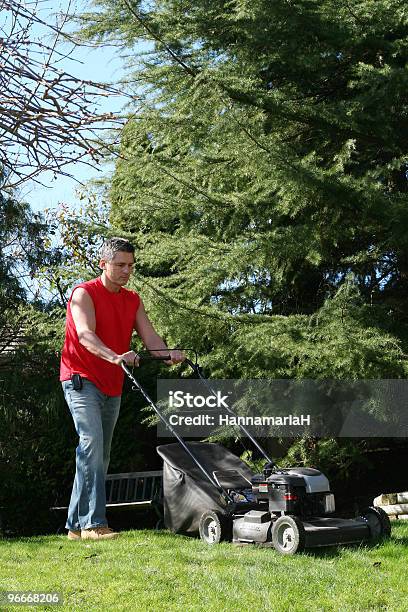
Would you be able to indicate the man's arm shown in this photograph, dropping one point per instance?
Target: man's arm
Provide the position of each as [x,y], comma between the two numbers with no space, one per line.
[152,340]
[83,314]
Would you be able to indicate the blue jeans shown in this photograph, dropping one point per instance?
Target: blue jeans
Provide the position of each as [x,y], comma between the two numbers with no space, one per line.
[95,415]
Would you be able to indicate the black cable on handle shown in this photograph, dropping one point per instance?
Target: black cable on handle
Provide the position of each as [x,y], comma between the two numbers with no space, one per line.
[196,368]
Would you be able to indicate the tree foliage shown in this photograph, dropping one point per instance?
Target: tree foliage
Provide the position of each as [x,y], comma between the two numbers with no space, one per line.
[22,236]
[41,258]
[264,179]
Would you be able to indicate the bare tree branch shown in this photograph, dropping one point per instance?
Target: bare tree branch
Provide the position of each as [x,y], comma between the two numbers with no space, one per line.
[48,117]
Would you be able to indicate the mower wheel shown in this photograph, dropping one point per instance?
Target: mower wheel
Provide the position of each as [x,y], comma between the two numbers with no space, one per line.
[288,535]
[215,527]
[378,523]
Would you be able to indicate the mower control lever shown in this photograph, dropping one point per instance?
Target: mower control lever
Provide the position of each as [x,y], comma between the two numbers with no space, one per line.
[147,355]
[153,358]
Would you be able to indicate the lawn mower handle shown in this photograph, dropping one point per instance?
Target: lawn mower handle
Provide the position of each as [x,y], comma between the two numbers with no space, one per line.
[198,371]
[138,386]
[147,356]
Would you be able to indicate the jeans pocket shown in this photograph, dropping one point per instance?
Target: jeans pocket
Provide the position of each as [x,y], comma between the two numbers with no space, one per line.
[67,388]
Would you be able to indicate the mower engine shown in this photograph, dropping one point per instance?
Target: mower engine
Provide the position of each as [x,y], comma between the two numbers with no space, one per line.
[302,492]
[294,510]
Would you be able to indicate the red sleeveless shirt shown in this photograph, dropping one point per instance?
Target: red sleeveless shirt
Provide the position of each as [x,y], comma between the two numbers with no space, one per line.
[115,315]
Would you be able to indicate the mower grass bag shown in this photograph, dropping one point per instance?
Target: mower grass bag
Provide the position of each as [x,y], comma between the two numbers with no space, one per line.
[290,509]
[187,492]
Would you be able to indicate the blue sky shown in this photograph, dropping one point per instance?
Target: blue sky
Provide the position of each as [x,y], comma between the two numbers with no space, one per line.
[97,64]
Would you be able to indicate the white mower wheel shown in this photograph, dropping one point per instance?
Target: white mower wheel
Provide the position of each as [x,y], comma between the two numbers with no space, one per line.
[214,527]
[288,535]
[378,523]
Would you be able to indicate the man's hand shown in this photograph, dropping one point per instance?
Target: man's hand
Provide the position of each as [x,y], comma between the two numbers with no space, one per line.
[176,356]
[130,358]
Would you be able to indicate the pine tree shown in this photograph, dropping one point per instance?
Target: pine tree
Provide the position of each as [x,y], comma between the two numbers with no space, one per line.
[263,179]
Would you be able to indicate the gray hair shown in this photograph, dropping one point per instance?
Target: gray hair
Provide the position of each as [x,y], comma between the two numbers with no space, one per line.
[114,245]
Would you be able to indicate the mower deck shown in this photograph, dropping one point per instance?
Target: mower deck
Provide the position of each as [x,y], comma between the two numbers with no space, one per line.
[328,531]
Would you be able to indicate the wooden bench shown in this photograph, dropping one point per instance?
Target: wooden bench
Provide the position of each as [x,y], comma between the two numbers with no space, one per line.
[132,490]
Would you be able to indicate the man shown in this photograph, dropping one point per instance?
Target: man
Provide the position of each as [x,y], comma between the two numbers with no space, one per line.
[101,316]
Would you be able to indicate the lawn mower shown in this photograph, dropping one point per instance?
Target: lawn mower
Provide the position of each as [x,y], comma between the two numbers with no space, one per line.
[207,490]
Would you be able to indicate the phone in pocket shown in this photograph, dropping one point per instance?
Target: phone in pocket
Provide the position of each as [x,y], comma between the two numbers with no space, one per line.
[77,383]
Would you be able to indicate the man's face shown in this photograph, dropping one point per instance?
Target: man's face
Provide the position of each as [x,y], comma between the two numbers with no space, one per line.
[119,268]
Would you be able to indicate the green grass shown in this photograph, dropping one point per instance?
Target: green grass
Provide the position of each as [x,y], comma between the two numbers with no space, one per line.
[148,570]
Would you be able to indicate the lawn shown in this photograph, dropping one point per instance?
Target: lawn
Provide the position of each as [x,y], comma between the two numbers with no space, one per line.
[155,570]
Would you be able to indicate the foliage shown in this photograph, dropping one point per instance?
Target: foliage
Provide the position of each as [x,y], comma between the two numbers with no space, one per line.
[336,458]
[78,234]
[22,237]
[263,178]
[264,167]
[37,435]
[34,442]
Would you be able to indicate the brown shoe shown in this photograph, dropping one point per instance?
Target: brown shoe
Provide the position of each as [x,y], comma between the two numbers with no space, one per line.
[73,535]
[98,533]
